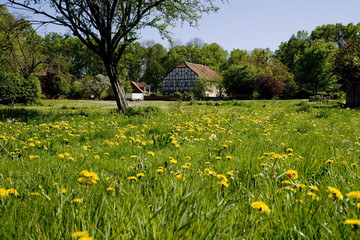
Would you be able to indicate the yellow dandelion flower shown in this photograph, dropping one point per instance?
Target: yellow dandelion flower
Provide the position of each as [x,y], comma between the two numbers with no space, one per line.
[63,191]
[132,178]
[133,156]
[55,184]
[93,176]
[81,180]
[313,196]
[140,175]
[300,186]
[260,206]
[173,161]
[354,222]
[292,174]
[314,188]
[224,183]
[188,158]
[12,191]
[151,153]
[34,194]
[291,189]
[110,189]
[3,192]
[218,158]
[230,173]
[228,157]
[353,165]
[287,182]
[60,155]
[354,194]
[335,193]
[328,162]
[85,173]
[80,234]
[85,148]
[76,200]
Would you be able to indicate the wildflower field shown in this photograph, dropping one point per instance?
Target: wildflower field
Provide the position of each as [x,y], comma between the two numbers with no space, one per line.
[214,170]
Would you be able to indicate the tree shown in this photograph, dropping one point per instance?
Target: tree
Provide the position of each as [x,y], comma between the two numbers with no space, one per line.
[240,79]
[312,70]
[20,44]
[98,85]
[154,71]
[107,27]
[346,63]
[212,55]
[288,51]
[238,57]
[335,33]
[20,56]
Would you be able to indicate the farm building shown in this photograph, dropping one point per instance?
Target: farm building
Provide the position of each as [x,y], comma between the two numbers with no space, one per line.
[140,87]
[353,93]
[139,90]
[184,77]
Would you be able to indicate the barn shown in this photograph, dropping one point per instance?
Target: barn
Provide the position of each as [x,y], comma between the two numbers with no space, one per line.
[184,77]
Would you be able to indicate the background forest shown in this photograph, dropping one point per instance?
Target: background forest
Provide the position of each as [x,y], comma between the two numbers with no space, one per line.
[33,66]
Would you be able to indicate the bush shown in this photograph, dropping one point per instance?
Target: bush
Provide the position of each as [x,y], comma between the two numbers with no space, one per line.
[56,84]
[77,90]
[16,89]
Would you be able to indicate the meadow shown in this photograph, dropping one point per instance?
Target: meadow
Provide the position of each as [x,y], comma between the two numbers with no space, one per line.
[195,170]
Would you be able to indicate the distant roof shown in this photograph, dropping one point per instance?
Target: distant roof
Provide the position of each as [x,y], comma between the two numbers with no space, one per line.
[201,70]
[136,87]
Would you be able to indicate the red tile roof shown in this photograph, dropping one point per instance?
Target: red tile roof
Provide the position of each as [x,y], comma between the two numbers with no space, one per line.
[136,87]
[201,70]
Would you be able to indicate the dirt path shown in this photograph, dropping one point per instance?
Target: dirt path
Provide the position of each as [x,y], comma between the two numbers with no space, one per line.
[160,104]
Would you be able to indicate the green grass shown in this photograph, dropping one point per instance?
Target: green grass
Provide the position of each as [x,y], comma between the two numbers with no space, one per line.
[44,149]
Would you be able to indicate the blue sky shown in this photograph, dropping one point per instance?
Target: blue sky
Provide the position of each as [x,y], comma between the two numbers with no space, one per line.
[263,23]
[249,24]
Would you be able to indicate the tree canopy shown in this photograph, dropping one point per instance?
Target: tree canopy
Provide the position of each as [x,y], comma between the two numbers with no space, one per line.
[107,27]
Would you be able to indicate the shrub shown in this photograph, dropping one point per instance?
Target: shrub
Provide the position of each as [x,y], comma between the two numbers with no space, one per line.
[77,90]
[16,89]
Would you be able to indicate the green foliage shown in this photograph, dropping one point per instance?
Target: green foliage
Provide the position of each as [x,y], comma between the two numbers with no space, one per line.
[77,90]
[98,85]
[16,89]
[288,51]
[240,79]
[346,63]
[312,69]
[56,84]
[337,33]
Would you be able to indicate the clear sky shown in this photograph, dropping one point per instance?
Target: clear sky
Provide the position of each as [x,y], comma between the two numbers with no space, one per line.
[249,24]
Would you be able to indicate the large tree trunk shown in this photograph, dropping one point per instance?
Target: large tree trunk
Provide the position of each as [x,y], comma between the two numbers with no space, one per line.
[117,87]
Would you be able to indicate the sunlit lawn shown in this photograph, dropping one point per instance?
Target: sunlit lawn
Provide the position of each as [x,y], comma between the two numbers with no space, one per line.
[237,170]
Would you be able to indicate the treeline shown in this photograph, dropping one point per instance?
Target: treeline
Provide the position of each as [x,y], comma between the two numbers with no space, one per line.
[32,66]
